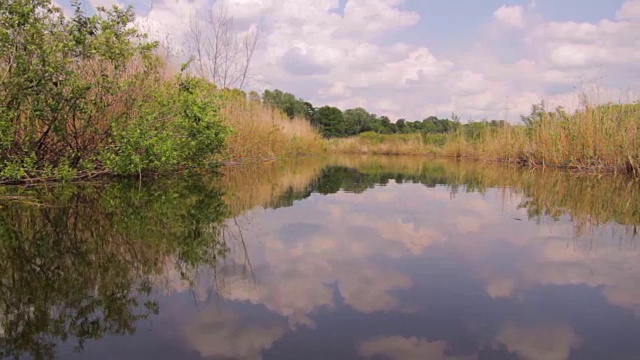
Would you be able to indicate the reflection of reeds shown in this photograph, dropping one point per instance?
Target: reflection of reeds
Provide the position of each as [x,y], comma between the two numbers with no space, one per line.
[262,184]
[589,200]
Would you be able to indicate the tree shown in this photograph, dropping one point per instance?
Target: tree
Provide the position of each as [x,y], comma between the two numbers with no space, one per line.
[330,121]
[220,52]
[401,125]
[309,112]
[386,127]
[254,97]
[357,120]
[538,112]
[288,104]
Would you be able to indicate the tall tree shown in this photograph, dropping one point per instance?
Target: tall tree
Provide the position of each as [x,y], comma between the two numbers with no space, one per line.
[330,121]
[357,120]
[221,53]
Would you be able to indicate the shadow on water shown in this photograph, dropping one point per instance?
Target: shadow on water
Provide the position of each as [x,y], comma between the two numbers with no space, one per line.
[81,262]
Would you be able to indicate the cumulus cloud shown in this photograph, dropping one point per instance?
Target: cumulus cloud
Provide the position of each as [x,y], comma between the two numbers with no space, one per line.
[349,54]
[371,16]
[511,16]
[630,10]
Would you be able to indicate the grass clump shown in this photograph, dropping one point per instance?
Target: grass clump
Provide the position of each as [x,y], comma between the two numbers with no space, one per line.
[601,138]
[262,132]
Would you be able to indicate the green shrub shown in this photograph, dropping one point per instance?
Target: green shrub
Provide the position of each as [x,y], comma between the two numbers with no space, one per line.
[180,128]
[86,93]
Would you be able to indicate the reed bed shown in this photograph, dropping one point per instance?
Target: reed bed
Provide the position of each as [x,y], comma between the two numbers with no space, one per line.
[600,138]
[380,144]
[260,132]
[603,138]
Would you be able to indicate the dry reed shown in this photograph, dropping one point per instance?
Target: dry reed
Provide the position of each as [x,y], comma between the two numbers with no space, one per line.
[597,138]
[260,132]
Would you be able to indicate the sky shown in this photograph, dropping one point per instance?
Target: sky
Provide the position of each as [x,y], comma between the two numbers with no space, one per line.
[479,59]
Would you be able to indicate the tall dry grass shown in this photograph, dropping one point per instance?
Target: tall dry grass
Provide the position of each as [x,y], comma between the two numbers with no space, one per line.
[381,144]
[260,132]
[597,138]
[602,138]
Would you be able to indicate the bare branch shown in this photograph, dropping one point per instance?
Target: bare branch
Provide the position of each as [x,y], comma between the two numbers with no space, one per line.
[221,53]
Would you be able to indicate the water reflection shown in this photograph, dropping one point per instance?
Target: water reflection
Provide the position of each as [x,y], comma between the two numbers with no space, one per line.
[79,265]
[355,257]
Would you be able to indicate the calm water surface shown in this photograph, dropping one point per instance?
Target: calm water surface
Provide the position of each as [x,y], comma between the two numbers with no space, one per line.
[342,258]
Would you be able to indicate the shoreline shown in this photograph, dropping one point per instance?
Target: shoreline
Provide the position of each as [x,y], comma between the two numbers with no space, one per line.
[515,163]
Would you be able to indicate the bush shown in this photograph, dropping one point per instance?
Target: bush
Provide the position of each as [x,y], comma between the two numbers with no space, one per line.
[87,93]
[180,128]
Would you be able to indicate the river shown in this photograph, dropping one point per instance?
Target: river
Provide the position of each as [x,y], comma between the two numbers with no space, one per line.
[325,258]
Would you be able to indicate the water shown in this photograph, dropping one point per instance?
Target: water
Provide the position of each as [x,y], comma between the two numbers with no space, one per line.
[341,258]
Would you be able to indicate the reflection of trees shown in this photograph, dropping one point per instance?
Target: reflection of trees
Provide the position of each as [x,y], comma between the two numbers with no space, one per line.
[587,199]
[80,266]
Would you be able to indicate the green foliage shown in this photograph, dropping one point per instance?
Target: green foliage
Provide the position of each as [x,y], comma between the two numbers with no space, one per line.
[357,120]
[181,127]
[77,92]
[330,121]
[353,121]
[288,104]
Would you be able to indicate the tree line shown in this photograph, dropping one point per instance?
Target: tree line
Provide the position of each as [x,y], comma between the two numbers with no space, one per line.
[334,123]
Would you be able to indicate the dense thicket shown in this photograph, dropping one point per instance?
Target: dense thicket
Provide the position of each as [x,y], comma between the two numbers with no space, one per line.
[86,94]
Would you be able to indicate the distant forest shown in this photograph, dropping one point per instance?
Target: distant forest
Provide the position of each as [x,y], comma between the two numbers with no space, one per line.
[333,122]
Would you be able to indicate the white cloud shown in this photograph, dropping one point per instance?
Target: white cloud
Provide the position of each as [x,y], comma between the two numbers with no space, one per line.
[371,16]
[630,10]
[347,56]
[221,334]
[512,16]
[105,3]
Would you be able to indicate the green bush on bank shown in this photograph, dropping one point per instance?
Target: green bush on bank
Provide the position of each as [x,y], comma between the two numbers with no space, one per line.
[86,93]
[180,127]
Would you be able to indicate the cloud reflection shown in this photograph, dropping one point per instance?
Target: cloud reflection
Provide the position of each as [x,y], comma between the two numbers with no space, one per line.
[222,334]
[407,348]
[540,342]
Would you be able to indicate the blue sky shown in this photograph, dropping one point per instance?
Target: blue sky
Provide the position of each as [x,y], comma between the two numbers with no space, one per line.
[415,58]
